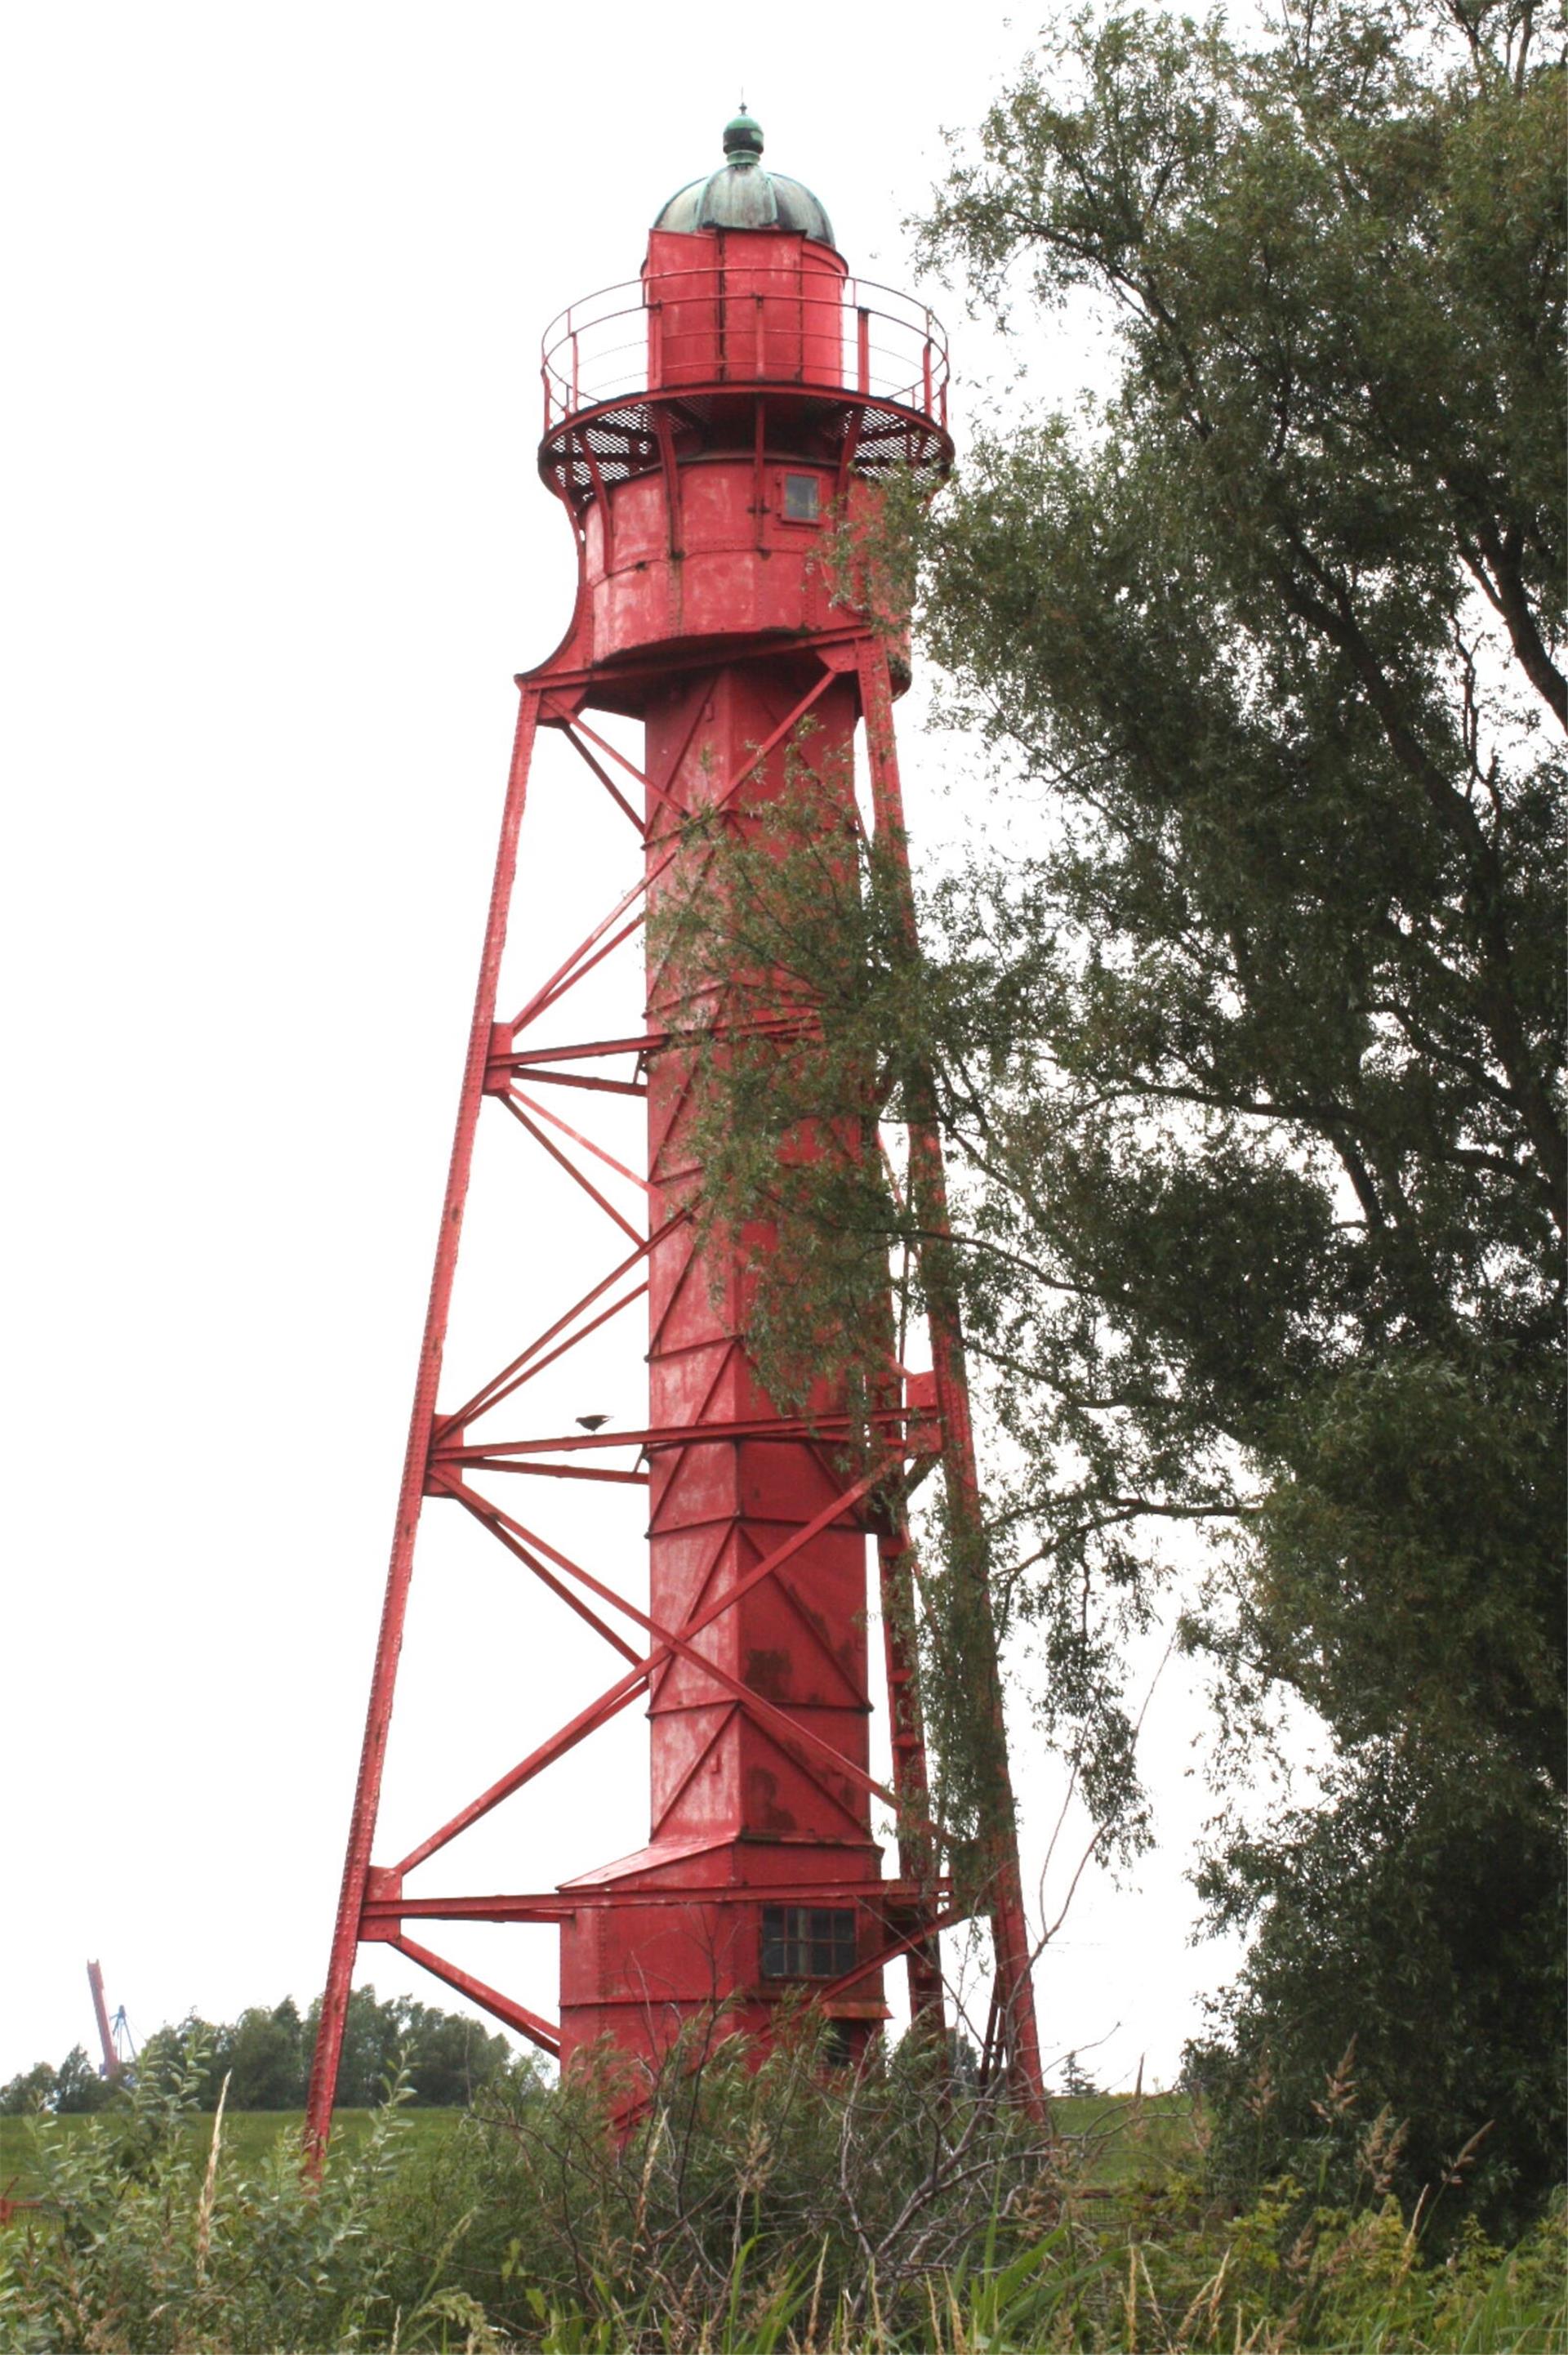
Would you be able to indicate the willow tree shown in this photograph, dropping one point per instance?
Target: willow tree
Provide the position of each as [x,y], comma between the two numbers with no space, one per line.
[1243,1013]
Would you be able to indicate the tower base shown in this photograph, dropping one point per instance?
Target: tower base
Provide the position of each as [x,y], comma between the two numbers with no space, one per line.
[720,1936]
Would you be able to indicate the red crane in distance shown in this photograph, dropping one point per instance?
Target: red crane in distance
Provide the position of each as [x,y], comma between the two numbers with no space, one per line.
[703,425]
[111,2033]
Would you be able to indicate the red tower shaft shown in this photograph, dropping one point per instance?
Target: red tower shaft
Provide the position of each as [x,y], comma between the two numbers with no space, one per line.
[747,1802]
[701,429]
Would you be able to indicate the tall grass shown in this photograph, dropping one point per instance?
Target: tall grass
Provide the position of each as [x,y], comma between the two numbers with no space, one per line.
[780,2210]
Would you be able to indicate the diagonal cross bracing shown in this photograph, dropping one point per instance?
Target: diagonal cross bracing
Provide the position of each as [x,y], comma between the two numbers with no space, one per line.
[516,2015]
[499,1526]
[528,1361]
[570,730]
[515,1107]
[616,1695]
[783,1728]
[541,1111]
[579,961]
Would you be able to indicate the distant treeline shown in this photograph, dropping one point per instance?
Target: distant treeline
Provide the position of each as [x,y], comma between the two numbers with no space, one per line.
[266,2055]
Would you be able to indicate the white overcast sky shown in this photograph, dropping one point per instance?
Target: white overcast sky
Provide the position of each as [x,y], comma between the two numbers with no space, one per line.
[274,548]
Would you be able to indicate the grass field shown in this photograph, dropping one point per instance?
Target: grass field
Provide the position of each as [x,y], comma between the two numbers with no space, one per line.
[1122,2138]
[1114,2265]
[247,2136]
[1111,2140]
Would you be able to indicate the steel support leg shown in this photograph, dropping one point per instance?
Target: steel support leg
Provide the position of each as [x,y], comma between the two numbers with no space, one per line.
[394,1610]
[916,1860]
[1009,1923]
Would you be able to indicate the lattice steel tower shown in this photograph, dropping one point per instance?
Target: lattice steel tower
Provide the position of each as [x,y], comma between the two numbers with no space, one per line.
[703,425]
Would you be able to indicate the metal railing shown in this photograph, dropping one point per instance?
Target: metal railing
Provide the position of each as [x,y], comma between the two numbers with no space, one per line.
[719,325]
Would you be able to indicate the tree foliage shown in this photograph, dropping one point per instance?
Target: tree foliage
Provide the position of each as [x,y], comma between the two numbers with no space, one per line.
[1247,1042]
[72,2090]
[441,2059]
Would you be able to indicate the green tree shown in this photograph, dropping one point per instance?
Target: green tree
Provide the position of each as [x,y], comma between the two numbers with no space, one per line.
[1248,1043]
[451,2058]
[79,2087]
[194,2049]
[446,2057]
[265,2054]
[31,2089]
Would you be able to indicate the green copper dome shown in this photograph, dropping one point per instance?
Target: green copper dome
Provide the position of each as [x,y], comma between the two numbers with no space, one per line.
[743,135]
[741,194]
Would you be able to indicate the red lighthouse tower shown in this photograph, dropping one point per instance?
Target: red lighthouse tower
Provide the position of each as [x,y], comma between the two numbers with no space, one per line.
[702,427]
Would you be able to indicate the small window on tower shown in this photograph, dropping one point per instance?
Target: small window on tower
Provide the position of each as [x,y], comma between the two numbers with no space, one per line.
[806,1941]
[801,498]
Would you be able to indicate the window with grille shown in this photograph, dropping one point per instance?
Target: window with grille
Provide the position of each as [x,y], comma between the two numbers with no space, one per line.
[806,1941]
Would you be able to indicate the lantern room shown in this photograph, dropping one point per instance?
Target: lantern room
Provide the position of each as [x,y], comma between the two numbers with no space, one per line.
[704,421]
